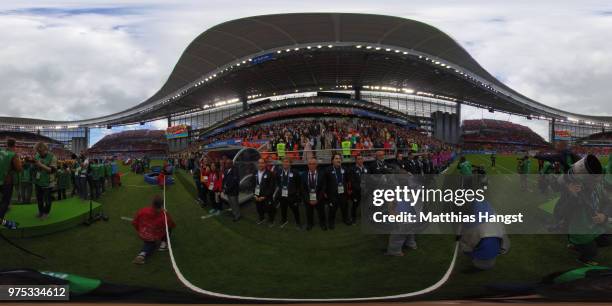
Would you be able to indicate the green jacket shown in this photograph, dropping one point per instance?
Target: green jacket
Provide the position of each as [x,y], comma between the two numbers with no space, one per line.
[6,161]
[94,170]
[26,173]
[547,168]
[43,178]
[465,168]
[63,178]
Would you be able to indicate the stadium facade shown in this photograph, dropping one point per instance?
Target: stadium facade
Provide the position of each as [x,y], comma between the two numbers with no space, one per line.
[400,63]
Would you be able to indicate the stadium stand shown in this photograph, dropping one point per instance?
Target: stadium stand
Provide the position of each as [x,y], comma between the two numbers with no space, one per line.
[596,144]
[26,142]
[319,137]
[131,144]
[498,135]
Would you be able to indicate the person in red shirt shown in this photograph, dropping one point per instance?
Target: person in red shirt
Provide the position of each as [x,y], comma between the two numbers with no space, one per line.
[150,223]
[214,188]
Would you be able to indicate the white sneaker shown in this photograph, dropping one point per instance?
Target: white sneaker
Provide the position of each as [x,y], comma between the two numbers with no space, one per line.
[163,246]
[261,221]
[283,225]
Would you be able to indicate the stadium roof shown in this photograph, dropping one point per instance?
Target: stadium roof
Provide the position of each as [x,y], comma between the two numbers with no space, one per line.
[286,53]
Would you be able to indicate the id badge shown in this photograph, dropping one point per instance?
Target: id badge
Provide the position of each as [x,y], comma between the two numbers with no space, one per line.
[285,192]
[313,195]
[340,189]
[257,190]
[38,175]
[211,186]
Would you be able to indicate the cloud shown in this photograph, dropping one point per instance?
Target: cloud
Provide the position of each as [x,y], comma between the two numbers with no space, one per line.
[69,69]
[64,12]
[72,59]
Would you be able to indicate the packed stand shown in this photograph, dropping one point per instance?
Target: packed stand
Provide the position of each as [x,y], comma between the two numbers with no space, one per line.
[134,144]
[502,133]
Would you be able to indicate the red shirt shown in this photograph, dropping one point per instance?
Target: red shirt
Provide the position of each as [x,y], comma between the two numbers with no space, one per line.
[151,224]
[214,178]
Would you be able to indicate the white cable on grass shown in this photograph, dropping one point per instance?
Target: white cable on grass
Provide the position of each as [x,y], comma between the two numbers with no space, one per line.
[197,289]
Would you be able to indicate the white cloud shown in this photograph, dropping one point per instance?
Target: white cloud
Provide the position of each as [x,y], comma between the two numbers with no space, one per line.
[82,64]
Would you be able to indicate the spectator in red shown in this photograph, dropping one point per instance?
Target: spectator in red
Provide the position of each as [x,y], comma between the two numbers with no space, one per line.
[150,223]
[161,179]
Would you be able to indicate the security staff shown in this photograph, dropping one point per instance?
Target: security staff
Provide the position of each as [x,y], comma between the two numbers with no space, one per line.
[336,191]
[280,150]
[356,179]
[313,194]
[264,190]
[288,185]
[346,148]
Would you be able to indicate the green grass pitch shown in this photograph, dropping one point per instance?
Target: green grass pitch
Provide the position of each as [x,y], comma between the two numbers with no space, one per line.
[248,259]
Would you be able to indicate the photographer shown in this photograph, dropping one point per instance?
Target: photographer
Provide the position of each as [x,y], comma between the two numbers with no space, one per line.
[10,163]
[45,164]
[150,223]
[465,170]
[583,210]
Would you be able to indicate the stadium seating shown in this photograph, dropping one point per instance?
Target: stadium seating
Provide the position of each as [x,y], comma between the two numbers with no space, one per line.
[26,141]
[315,134]
[131,144]
[498,135]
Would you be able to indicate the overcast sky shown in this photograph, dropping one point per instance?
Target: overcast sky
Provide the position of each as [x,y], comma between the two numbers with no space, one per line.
[68,60]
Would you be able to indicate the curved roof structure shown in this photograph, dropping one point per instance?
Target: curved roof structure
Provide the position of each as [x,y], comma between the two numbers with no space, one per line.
[277,54]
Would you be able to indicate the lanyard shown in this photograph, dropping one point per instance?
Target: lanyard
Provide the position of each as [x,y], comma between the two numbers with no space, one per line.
[339,180]
[286,178]
[312,180]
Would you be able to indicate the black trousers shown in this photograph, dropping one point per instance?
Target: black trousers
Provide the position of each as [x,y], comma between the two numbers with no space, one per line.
[334,203]
[5,201]
[214,200]
[320,208]
[61,193]
[588,251]
[265,208]
[356,202]
[291,204]
[204,195]
[43,198]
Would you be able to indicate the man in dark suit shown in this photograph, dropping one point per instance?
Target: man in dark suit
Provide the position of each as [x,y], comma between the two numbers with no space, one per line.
[336,178]
[401,162]
[231,188]
[288,186]
[313,194]
[380,166]
[356,178]
[264,190]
